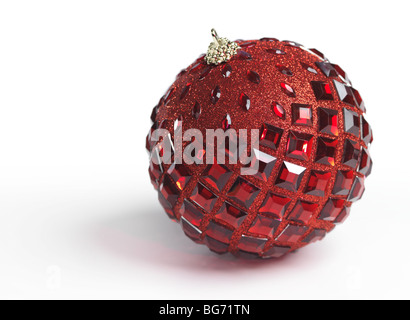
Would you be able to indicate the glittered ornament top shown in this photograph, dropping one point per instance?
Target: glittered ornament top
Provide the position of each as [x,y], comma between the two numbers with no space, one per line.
[311,163]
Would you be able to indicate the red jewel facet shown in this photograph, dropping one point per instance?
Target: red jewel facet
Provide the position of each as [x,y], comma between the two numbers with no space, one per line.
[251,244]
[292,233]
[343,215]
[243,192]
[185,91]
[190,230]
[196,110]
[290,176]
[278,110]
[366,131]
[169,191]
[168,96]
[215,245]
[244,101]
[332,209]
[359,100]
[203,197]
[357,189]
[261,165]
[231,215]
[167,206]
[274,206]
[286,71]
[276,51]
[264,226]
[308,68]
[326,151]
[216,175]
[352,122]
[366,163]
[242,55]
[215,95]
[345,93]
[343,183]
[328,121]
[303,211]
[288,90]
[299,145]
[253,77]
[205,72]
[270,136]
[227,71]
[218,232]
[191,213]
[318,183]
[327,69]
[226,122]
[302,114]
[315,235]
[351,153]
[180,174]
[275,252]
[322,90]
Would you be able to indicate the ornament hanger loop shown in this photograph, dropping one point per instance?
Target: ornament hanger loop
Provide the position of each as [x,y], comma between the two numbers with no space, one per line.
[220,50]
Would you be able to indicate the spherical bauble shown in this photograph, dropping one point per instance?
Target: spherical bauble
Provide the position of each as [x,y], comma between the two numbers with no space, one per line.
[310,165]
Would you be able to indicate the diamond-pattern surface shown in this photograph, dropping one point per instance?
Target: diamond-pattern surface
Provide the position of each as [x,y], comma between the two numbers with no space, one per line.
[310,166]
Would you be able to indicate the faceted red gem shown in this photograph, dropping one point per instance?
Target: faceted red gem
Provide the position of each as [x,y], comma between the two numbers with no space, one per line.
[366,163]
[269,39]
[231,215]
[286,71]
[253,77]
[204,197]
[191,213]
[154,181]
[328,121]
[351,153]
[154,113]
[318,183]
[341,73]
[332,209]
[275,252]
[215,95]
[343,215]
[227,71]
[274,206]
[168,96]
[278,110]
[359,100]
[343,183]
[155,164]
[308,68]
[345,93]
[352,122]
[167,206]
[292,44]
[242,55]
[366,131]
[205,72]
[264,226]
[251,244]
[303,211]
[185,91]
[216,175]
[190,230]
[215,245]
[315,235]
[169,190]
[299,145]
[247,44]
[276,51]
[244,101]
[326,151]
[181,73]
[290,176]
[178,124]
[226,122]
[243,192]
[270,136]
[196,110]
[357,189]
[302,114]
[199,64]
[218,232]
[318,53]
[261,165]
[180,174]
[288,90]
[292,233]
[327,69]
[322,90]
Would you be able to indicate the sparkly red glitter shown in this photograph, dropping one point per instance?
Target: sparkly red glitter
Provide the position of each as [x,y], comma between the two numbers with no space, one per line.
[312,160]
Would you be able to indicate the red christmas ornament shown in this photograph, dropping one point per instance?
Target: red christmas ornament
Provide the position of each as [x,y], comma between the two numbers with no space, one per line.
[311,163]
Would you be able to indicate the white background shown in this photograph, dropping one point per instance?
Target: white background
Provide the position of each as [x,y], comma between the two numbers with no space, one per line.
[78,215]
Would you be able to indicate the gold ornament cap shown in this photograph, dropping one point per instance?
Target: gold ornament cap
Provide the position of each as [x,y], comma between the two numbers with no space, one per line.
[220,50]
